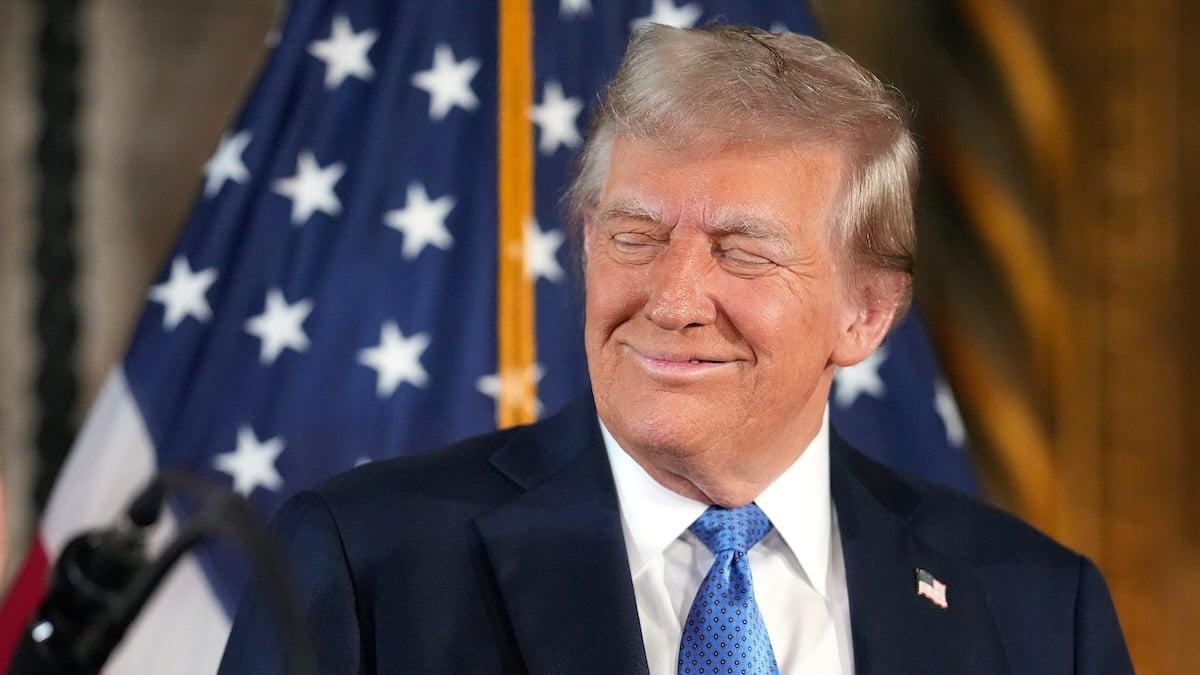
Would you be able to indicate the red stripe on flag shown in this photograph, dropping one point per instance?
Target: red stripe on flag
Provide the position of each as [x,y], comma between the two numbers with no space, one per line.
[22,601]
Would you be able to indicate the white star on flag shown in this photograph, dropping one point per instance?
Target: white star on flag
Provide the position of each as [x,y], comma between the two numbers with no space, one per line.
[280,326]
[861,378]
[182,294]
[666,13]
[513,384]
[571,8]
[344,52]
[252,464]
[541,253]
[226,163]
[556,116]
[311,189]
[947,409]
[396,359]
[448,82]
[422,221]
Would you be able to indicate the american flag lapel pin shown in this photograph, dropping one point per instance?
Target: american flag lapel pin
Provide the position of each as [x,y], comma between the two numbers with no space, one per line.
[929,587]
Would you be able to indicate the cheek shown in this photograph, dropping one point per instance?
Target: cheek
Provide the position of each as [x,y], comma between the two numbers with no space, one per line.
[613,291]
[764,316]
[611,300]
[784,327]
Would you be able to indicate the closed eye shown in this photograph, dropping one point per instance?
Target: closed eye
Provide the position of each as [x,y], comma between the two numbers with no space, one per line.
[741,259]
[635,243]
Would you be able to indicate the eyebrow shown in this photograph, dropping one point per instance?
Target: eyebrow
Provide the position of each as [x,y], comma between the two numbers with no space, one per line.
[728,221]
[724,221]
[631,208]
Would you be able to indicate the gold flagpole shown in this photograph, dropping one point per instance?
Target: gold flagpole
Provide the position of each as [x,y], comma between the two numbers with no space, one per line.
[516,349]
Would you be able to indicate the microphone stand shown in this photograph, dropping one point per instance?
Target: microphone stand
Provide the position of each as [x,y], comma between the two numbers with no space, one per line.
[103,580]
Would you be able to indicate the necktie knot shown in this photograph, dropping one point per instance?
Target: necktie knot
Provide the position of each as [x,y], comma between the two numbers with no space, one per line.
[725,631]
[738,529]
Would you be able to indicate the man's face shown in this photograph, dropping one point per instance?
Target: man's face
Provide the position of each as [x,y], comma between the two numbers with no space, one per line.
[716,310]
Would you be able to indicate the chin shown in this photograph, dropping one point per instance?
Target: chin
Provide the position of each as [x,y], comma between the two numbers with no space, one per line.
[662,430]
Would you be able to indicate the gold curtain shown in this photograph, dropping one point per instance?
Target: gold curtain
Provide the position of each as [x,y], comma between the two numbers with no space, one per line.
[1056,238]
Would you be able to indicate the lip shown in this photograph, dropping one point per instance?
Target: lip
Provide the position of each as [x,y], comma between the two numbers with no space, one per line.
[678,364]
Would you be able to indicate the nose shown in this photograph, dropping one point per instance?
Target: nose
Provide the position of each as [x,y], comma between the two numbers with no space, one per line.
[679,295]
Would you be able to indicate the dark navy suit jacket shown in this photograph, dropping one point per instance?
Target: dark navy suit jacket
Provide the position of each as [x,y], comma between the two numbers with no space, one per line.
[504,554]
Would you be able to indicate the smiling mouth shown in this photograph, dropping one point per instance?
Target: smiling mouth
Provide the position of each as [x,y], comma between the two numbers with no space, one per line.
[679,359]
[666,364]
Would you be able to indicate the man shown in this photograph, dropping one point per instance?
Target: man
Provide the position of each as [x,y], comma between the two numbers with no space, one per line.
[746,209]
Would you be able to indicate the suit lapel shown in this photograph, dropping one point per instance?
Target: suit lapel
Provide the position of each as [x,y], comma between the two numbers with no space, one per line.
[558,553]
[895,630]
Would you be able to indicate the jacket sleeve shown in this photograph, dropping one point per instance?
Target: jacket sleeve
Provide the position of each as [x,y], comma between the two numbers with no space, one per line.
[1099,645]
[324,588]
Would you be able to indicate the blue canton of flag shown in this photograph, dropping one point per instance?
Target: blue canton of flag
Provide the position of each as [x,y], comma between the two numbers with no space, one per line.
[332,299]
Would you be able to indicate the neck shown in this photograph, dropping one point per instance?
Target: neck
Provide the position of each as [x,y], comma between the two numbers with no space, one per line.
[728,479]
[729,493]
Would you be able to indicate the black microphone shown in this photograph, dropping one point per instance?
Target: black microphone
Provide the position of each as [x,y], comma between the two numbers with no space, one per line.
[93,574]
[104,578]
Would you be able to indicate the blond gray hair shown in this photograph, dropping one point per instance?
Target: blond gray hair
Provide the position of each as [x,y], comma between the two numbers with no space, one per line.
[735,83]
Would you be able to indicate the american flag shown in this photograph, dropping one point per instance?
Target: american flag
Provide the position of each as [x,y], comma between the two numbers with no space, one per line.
[333,297]
[896,407]
[929,587]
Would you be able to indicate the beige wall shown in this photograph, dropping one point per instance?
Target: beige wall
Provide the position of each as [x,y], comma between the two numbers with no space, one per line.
[16,128]
[161,81]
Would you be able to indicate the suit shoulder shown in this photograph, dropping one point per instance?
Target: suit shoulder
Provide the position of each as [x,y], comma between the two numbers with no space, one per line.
[993,534]
[1037,590]
[954,521]
[478,469]
[457,472]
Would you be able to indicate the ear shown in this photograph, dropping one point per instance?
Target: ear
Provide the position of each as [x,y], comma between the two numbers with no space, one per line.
[872,304]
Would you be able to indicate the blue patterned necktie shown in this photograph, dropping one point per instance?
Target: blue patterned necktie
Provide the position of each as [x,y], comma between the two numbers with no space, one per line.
[725,632]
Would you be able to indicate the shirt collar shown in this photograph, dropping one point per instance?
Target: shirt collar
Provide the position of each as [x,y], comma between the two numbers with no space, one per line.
[652,515]
[797,502]
[801,509]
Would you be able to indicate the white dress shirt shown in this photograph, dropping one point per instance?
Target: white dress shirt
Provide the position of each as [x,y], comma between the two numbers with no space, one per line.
[799,576]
